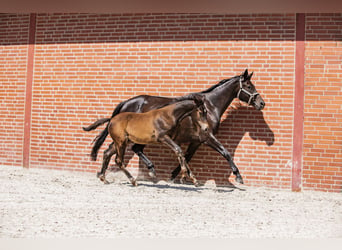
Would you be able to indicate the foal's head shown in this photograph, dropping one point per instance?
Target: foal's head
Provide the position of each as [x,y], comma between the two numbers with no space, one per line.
[248,93]
[199,117]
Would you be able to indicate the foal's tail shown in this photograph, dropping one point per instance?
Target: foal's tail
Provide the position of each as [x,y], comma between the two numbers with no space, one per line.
[99,140]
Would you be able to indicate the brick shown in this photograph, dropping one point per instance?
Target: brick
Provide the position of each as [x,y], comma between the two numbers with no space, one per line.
[85,64]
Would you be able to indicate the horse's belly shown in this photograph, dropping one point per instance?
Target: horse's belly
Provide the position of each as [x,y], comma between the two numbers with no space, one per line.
[141,134]
[141,139]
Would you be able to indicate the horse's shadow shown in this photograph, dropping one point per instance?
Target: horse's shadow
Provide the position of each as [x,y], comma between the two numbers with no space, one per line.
[207,164]
[240,122]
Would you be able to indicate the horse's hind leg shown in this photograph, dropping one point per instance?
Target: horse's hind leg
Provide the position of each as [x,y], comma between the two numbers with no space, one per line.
[184,166]
[138,149]
[188,155]
[107,155]
[119,160]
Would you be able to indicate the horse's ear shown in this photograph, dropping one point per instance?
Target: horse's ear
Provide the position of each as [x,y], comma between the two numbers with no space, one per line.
[250,76]
[245,74]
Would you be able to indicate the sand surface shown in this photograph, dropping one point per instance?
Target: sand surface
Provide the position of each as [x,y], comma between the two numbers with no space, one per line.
[62,204]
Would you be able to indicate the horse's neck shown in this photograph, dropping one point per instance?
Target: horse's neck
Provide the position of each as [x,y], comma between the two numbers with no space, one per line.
[183,109]
[222,96]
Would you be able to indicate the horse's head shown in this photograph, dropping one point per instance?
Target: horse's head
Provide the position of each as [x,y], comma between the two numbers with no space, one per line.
[199,116]
[248,93]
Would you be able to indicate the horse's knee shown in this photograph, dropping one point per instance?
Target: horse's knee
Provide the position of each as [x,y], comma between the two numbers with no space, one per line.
[109,152]
[119,162]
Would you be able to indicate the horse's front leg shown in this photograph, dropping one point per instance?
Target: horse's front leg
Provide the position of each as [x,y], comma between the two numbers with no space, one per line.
[177,149]
[107,155]
[119,160]
[216,145]
[188,155]
[138,149]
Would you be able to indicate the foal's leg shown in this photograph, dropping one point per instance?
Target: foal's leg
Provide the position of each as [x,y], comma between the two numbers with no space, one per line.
[215,144]
[138,149]
[184,166]
[107,155]
[119,160]
[188,155]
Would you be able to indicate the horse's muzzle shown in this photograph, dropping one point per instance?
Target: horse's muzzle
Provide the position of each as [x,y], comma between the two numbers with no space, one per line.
[259,103]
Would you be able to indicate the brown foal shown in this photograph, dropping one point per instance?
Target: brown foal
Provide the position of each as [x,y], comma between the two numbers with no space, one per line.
[155,126]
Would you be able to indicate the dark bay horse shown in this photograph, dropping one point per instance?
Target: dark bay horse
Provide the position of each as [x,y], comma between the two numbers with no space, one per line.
[217,98]
[155,126]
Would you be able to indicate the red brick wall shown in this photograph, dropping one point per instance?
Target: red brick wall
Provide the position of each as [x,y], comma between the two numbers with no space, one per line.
[13,51]
[87,63]
[323,103]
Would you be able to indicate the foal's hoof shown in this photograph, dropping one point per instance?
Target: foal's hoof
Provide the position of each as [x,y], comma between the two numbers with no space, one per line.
[239,179]
[196,183]
[102,178]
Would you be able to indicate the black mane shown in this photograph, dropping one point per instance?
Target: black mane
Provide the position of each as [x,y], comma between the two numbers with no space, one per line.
[218,85]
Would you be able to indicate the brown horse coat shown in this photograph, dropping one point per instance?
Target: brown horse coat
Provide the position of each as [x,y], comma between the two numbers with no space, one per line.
[155,126]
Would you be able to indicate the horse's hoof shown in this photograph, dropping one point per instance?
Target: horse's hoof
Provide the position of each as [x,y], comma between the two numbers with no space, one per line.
[101,177]
[134,182]
[239,179]
[105,182]
[171,181]
[152,174]
[98,174]
[196,184]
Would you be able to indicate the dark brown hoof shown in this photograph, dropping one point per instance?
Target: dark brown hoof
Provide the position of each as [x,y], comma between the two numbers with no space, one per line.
[134,182]
[102,177]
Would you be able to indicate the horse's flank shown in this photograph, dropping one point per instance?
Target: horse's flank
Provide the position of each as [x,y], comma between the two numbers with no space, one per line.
[141,127]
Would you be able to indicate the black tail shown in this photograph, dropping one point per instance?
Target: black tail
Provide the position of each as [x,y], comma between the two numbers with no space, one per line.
[96,124]
[99,140]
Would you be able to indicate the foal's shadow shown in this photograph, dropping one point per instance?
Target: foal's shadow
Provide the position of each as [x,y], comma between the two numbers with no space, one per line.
[207,164]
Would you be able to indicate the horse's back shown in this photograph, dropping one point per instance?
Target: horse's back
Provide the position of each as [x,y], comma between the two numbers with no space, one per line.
[145,103]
